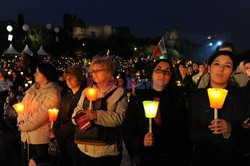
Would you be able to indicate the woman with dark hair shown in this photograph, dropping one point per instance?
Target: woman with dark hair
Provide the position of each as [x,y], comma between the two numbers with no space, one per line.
[64,129]
[34,121]
[216,141]
[162,146]
[238,78]
[226,46]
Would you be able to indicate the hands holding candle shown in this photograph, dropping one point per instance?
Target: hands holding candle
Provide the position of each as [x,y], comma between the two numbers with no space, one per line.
[217,97]
[52,115]
[150,108]
[84,117]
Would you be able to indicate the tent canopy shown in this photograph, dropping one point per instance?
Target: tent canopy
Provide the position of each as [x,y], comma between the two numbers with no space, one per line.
[41,51]
[11,51]
[27,50]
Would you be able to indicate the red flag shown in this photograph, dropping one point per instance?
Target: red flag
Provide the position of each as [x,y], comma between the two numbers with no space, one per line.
[160,48]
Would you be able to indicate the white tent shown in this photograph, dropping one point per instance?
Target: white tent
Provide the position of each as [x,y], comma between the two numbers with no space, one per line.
[27,50]
[11,50]
[41,51]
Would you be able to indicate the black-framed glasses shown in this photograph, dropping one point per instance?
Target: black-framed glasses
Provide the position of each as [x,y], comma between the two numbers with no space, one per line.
[164,72]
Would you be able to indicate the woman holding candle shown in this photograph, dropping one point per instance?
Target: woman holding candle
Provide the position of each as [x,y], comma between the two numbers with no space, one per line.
[63,128]
[33,122]
[216,138]
[162,145]
[111,115]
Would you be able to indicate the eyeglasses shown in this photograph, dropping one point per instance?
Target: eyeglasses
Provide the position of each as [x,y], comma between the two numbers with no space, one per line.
[164,72]
[96,71]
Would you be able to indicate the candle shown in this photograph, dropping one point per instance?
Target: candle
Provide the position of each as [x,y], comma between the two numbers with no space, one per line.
[178,83]
[217,97]
[19,107]
[52,115]
[150,108]
[91,94]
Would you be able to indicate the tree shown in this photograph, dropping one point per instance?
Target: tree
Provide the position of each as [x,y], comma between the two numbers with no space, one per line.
[40,37]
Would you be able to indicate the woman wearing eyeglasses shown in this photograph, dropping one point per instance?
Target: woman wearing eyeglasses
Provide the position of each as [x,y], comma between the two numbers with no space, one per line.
[162,146]
[110,114]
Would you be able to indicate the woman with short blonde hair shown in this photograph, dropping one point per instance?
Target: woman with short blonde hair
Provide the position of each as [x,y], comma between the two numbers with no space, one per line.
[110,114]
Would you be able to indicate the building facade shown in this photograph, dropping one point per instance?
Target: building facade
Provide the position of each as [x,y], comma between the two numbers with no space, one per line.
[94,31]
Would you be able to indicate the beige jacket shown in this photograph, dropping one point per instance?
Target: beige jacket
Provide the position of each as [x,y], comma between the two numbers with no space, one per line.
[37,101]
[111,118]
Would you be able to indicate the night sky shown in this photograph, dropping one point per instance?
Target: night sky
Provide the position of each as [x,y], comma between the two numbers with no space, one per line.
[146,18]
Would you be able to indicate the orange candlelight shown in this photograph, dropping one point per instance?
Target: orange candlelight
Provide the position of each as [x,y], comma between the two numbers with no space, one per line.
[216,97]
[91,94]
[19,107]
[53,114]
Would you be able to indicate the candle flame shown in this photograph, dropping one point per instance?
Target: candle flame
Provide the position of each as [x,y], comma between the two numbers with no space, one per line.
[19,107]
[53,114]
[91,94]
[150,108]
[217,97]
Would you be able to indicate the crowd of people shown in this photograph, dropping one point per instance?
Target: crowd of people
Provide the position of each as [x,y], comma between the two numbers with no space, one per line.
[184,131]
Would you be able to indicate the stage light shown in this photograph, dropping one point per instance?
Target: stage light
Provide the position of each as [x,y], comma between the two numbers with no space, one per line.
[219,43]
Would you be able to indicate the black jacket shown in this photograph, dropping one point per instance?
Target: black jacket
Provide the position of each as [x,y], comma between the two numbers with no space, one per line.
[211,149]
[167,136]
[63,125]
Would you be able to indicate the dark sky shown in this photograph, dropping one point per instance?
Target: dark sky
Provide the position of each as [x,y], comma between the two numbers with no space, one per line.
[146,18]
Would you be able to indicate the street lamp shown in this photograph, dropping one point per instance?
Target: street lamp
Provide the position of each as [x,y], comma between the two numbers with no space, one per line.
[9,29]
[25,28]
[48,26]
[56,30]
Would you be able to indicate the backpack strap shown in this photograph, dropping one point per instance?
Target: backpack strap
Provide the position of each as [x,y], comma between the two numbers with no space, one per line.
[105,98]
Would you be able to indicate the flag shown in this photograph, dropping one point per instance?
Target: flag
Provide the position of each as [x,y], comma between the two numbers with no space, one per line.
[107,54]
[160,48]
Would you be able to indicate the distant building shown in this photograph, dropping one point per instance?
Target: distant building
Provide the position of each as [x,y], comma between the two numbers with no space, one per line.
[174,42]
[94,31]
